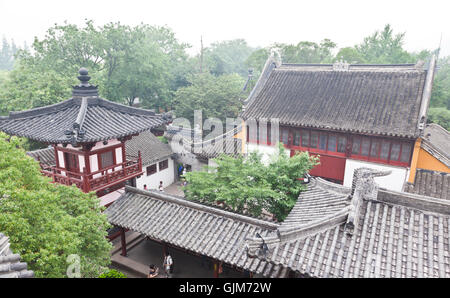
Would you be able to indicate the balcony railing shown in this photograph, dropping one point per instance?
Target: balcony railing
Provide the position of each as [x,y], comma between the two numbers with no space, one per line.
[98,180]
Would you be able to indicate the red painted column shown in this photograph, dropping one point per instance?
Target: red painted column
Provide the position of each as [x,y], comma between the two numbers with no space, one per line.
[86,170]
[124,156]
[123,242]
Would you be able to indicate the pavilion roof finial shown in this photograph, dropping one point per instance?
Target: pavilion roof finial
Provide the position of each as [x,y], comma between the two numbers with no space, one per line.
[84,89]
[83,77]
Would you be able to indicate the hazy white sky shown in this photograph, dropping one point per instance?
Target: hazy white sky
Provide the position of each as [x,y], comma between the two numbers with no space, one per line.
[261,22]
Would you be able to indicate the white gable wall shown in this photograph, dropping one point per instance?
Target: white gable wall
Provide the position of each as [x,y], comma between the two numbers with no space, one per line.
[167,176]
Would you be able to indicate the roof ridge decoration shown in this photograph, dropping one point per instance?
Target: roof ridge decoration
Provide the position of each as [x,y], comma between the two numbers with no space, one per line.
[272,62]
[77,133]
[341,65]
[363,188]
[426,95]
[84,88]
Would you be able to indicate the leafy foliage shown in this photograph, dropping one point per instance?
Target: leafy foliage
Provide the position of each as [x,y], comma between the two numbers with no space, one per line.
[248,184]
[126,62]
[48,222]
[383,47]
[228,57]
[112,273]
[216,96]
[308,52]
[7,52]
[440,116]
[441,85]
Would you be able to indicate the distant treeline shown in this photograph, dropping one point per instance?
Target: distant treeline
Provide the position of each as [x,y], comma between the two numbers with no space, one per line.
[150,63]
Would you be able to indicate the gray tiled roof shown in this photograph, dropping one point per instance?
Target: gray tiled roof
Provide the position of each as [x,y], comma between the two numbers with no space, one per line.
[10,265]
[212,149]
[152,149]
[46,155]
[436,141]
[395,235]
[430,183]
[322,198]
[369,99]
[98,118]
[192,226]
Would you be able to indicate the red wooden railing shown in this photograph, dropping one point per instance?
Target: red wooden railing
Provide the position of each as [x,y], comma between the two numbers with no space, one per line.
[97,180]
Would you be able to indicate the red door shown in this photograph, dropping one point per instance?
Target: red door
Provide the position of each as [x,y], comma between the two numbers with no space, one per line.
[331,167]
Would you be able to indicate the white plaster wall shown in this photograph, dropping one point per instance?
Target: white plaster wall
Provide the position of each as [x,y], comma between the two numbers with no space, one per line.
[118,153]
[61,162]
[61,159]
[93,160]
[167,176]
[394,181]
[265,150]
[81,162]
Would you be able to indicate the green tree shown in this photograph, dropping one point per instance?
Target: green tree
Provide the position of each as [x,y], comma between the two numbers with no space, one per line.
[441,86]
[440,116]
[126,62]
[113,274]
[246,184]
[385,47]
[257,59]
[216,96]
[303,52]
[307,52]
[26,88]
[350,55]
[7,52]
[228,57]
[47,222]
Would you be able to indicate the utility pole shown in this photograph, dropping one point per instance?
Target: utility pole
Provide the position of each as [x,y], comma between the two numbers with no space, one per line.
[201,54]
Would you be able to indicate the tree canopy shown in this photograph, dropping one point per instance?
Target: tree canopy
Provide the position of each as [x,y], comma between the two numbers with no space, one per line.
[247,184]
[7,52]
[227,57]
[126,62]
[217,97]
[47,222]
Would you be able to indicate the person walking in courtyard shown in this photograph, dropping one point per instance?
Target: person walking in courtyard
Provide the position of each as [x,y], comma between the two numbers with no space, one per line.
[168,262]
[145,186]
[161,186]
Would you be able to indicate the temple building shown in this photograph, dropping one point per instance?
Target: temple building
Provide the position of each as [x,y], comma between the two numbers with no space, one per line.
[332,231]
[88,136]
[351,115]
[362,231]
[158,160]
